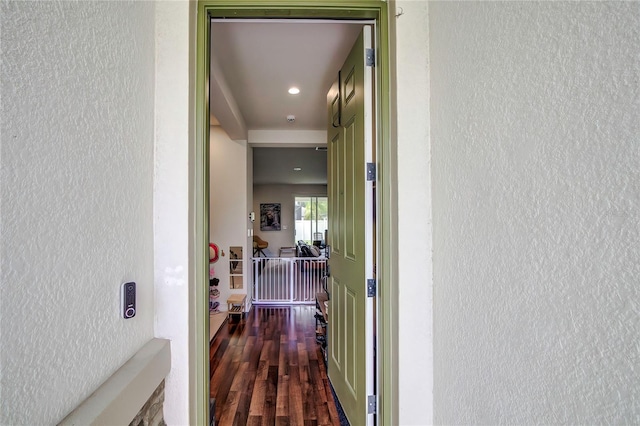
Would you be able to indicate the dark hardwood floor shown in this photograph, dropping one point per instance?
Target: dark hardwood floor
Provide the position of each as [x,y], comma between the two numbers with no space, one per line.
[268,370]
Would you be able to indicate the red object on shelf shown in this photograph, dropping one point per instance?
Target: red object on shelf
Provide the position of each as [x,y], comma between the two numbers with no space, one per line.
[213,253]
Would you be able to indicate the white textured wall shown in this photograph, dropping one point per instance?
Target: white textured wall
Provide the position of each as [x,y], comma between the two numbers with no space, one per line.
[536,185]
[228,215]
[174,281]
[415,375]
[76,190]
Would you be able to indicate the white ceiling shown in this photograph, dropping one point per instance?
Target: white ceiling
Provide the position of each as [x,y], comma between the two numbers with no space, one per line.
[254,63]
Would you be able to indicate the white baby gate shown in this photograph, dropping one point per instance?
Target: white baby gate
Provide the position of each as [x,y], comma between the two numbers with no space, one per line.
[288,280]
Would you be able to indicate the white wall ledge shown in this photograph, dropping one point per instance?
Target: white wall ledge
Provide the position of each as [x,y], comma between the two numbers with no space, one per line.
[118,400]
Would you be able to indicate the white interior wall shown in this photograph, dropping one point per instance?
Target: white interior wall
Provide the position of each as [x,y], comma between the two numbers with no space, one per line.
[415,325]
[76,190]
[285,195]
[174,277]
[535,123]
[228,214]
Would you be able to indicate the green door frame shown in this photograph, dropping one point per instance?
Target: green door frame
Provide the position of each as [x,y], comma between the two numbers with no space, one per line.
[386,206]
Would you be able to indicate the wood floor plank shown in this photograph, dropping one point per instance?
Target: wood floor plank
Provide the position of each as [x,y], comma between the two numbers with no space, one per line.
[282,397]
[283,360]
[228,411]
[258,397]
[333,411]
[263,370]
[265,353]
[296,409]
[248,385]
[267,369]
[254,421]
[248,347]
[274,354]
[311,345]
[270,397]
[236,384]
[282,421]
[216,353]
[223,377]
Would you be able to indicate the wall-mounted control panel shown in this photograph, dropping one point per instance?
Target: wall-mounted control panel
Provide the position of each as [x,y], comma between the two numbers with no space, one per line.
[128,297]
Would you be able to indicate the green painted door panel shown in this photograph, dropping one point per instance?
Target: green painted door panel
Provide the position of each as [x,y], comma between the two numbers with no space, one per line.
[350,328]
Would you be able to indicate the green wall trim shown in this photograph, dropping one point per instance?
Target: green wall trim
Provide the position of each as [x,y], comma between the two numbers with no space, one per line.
[199,181]
[386,158]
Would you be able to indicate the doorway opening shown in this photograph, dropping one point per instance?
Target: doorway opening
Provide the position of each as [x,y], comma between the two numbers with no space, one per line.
[365,10]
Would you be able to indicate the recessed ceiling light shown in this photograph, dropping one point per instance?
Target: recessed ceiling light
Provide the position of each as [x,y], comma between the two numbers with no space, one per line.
[294,91]
[297,169]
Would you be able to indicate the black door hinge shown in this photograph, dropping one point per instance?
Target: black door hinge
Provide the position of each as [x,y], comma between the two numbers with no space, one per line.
[371,288]
[371,171]
[370,57]
[371,404]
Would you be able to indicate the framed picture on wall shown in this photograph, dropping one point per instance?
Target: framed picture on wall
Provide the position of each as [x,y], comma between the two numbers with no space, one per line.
[270,217]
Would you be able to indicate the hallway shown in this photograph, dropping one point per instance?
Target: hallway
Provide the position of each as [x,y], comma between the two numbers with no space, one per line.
[268,370]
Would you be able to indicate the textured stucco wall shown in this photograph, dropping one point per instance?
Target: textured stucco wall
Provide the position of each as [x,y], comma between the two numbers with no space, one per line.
[535,124]
[76,190]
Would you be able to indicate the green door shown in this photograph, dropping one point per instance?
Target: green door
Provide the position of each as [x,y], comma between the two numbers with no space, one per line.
[350,147]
